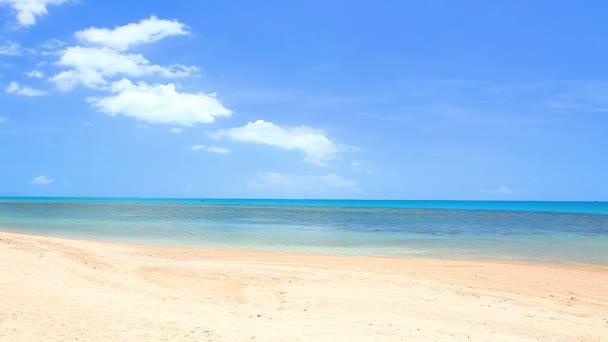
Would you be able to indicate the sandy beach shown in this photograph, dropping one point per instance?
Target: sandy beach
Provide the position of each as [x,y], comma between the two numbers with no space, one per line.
[56,289]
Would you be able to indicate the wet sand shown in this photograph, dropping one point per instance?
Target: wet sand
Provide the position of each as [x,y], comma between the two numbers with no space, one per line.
[54,289]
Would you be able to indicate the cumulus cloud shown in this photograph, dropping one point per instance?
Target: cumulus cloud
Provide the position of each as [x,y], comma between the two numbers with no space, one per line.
[300,183]
[103,60]
[28,10]
[42,180]
[10,48]
[316,146]
[17,89]
[91,66]
[121,38]
[159,103]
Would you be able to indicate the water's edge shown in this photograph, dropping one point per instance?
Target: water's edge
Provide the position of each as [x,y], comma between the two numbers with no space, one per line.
[279,252]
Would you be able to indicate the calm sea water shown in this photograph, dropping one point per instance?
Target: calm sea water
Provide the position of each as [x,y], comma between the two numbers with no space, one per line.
[553,232]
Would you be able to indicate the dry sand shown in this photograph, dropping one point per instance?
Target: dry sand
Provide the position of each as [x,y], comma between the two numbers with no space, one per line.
[55,289]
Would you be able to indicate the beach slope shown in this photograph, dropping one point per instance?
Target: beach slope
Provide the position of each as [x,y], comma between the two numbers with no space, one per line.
[64,289]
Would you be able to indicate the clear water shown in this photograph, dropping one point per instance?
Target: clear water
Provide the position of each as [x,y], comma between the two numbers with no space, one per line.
[553,232]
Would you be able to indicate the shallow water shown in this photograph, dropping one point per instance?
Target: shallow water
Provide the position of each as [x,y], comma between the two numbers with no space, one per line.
[554,232]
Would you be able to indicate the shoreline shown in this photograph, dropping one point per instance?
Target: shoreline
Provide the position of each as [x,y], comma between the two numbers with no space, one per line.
[277,253]
[53,287]
[565,264]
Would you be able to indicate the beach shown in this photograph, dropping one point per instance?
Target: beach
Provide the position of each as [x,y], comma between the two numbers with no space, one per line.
[57,289]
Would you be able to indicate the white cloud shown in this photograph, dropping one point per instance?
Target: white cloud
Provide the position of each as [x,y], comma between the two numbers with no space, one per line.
[3,119]
[300,183]
[316,146]
[10,48]
[17,89]
[42,180]
[28,10]
[176,130]
[35,74]
[159,103]
[212,149]
[91,66]
[121,38]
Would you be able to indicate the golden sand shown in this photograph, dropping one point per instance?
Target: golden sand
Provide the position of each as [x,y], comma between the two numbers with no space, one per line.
[55,289]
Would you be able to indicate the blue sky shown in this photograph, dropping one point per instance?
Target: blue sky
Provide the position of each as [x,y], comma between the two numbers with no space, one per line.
[313,99]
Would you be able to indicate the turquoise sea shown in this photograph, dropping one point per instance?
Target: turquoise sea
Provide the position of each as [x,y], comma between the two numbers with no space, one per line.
[547,232]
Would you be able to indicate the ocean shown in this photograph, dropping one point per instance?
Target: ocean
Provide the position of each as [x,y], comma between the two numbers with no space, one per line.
[544,232]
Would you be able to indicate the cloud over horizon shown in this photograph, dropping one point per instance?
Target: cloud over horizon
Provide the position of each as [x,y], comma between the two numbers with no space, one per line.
[502,190]
[316,146]
[42,180]
[301,185]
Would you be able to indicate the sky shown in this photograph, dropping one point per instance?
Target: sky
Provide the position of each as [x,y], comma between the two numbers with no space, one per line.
[490,100]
